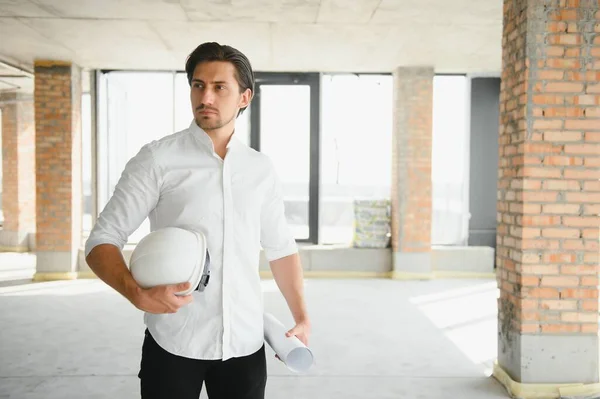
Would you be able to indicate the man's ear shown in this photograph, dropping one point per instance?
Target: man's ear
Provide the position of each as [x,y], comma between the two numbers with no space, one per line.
[246,98]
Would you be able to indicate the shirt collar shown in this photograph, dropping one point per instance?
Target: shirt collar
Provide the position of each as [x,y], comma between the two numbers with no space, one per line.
[205,139]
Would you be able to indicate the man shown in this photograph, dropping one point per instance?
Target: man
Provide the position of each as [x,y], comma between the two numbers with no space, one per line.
[205,178]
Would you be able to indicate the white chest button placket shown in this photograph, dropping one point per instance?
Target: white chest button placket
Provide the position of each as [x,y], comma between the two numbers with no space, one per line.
[227,240]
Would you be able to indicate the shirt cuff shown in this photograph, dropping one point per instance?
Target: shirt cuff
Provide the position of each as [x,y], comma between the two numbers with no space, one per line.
[274,254]
[94,242]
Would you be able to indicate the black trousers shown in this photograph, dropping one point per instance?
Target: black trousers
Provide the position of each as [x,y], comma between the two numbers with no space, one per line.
[165,376]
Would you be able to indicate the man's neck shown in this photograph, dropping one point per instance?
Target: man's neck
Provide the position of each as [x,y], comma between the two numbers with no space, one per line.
[220,138]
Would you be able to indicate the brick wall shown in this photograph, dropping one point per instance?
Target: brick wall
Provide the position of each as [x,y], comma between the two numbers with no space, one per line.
[549,171]
[18,163]
[411,160]
[58,156]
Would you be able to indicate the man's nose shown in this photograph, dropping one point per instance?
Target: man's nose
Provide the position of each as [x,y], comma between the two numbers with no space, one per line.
[207,97]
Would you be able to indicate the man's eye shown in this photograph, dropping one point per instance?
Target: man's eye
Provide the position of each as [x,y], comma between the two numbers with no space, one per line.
[220,87]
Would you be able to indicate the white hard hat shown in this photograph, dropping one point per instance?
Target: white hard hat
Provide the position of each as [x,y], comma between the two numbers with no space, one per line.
[171,255]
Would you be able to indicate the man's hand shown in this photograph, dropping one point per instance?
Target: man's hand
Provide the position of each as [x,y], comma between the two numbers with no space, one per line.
[301,331]
[161,299]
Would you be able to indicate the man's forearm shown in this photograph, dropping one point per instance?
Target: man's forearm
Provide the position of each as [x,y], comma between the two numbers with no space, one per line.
[288,275]
[107,262]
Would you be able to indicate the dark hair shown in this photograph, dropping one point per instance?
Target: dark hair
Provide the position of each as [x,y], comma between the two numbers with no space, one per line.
[212,51]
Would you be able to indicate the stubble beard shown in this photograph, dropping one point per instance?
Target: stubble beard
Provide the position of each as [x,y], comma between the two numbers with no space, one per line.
[207,124]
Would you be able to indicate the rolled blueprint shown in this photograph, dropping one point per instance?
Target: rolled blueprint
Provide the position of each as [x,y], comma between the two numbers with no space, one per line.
[296,356]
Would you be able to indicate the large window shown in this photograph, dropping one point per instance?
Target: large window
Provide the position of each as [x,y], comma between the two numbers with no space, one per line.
[285,126]
[356,139]
[285,137]
[86,160]
[450,155]
[1,161]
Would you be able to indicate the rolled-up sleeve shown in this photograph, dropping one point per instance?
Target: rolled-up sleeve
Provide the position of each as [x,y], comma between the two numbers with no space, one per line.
[136,194]
[276,238]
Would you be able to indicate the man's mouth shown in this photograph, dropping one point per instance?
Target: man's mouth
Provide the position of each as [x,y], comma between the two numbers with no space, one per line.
[206,111]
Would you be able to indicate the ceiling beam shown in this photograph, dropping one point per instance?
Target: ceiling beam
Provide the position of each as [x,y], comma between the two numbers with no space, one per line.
[20,70]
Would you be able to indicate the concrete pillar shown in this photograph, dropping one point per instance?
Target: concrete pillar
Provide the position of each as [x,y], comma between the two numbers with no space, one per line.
[18,172]
[58,168]
[411,173]
[549,192]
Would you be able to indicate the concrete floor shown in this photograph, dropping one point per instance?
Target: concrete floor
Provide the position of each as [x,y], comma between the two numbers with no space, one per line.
[372,338]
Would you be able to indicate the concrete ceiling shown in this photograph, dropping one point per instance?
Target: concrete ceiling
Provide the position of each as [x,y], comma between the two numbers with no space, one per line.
[462,36]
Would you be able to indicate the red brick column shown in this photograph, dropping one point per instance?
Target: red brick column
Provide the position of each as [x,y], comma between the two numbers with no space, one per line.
[58,168]
[18,172]
[411,173]
[549,191]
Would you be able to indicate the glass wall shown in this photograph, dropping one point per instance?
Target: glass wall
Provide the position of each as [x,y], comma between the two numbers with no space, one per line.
[182,108]
[450,155]
[1,161]
[356,139]
[86,159]
[285,138]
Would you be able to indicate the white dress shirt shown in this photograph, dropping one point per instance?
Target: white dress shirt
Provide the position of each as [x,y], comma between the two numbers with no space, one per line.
[237,203]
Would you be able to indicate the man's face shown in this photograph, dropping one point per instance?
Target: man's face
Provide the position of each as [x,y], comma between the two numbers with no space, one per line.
[215,95]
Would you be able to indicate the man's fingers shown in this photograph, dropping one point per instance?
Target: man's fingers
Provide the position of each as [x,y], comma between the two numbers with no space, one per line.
[175,288]
[299,332]
[186,299]
[292,332]
[181,286]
